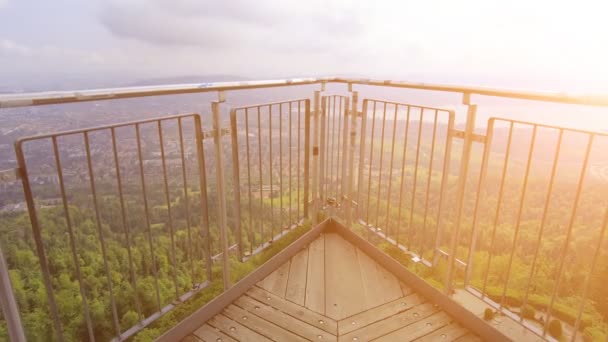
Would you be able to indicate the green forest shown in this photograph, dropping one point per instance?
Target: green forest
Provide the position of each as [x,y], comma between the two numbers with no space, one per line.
[190,264]
[416,230]
[142,255]
[131,290]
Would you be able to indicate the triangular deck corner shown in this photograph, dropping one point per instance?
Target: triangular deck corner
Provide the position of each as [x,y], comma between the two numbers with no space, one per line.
[328,286]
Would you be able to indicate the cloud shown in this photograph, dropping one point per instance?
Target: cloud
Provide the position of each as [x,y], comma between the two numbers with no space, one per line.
[442,39]
[48,58]
[48,52]
[9,47]
[240,24]
[3,3]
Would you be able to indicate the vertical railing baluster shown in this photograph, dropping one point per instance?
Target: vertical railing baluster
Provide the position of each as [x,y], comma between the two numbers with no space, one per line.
[172,255]
[281,207]
[328,150]
[403,161]
[371,162]
[344,195]
[412,231]
[351,160]
[569,232]
[260,174]
[298,171]
[44,263]
[251,235]
[316,149]
[596,255]
[306,154]
[498,205]
[331,161]
[186,198]
[104,253]
[323,152]
[428,186]
[221,191]
[380,166]
[544,216]
[522,199]
[359,215]
[390,174]
[337,148]
[236,183]
[270,172]
[447,158]
[123,214]
[289,221]
[72,238]
[147,214]
[202,179]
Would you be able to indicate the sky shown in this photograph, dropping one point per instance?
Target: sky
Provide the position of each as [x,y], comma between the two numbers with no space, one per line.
[543,44]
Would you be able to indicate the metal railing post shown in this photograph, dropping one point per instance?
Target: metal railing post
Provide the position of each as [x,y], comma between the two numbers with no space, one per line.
[351,158]
[236,183]
[462,181]
[480,187]
[221,188]
[322,180]
[315,159]
[344,195]
[306,157]
[361,160]
[10,310]
[202,178]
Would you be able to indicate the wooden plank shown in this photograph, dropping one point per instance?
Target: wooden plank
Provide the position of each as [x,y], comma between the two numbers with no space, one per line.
[462,315]
[211,334]
[370,280]
[378,313]
[294,310]
[447,333]
[315,279]
[391,288]
[276,282]
[390,324]
[234,329]
[296,284]
[283,320]
[215,306]
[406,290]
[260,325]
[343,278]
[470,337]
[191,338]
[418,329]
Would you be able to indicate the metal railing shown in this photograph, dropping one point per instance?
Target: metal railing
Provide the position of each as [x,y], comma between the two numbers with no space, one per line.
[389,170]
[408,122]
[105,170]
[586,144]
[292,117]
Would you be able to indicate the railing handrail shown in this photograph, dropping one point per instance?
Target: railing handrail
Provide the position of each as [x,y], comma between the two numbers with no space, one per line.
[59,97]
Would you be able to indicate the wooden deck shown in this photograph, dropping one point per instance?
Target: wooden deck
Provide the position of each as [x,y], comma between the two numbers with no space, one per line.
[331,291]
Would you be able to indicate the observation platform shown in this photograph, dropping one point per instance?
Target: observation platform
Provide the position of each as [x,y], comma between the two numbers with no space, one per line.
[332,285]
